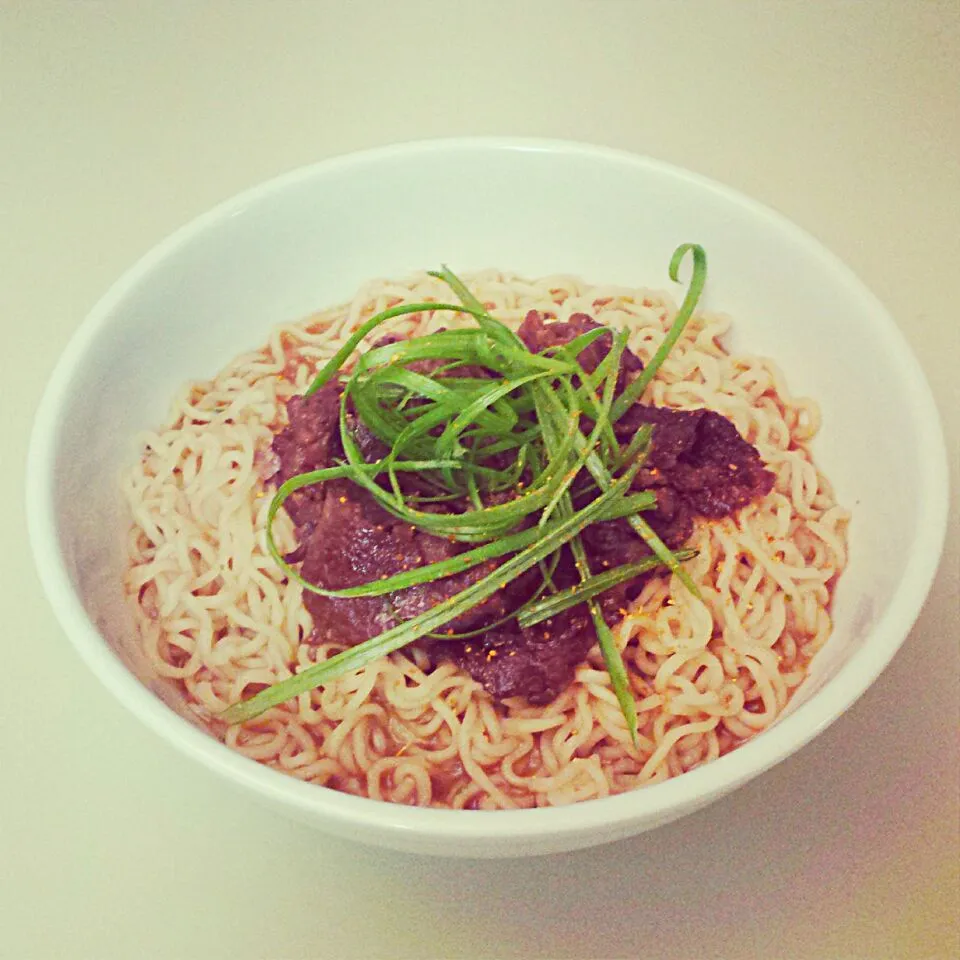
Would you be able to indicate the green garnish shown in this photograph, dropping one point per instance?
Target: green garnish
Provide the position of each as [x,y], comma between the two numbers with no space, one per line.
[469,437]
[634,390]
[408,631]
[592,587]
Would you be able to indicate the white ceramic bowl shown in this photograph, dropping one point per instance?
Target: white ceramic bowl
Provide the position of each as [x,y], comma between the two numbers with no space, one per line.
[308,239]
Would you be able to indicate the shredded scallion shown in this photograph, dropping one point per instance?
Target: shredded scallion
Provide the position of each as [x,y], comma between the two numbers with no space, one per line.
[516,428]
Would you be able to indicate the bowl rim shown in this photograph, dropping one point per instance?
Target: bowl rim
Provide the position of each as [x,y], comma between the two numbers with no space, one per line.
[658,802]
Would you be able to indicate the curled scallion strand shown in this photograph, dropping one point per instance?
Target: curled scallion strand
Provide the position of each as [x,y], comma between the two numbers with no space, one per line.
[450,430]
[697,281]
[446,610]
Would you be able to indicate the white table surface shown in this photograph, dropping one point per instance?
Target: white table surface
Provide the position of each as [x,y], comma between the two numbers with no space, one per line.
[118,122]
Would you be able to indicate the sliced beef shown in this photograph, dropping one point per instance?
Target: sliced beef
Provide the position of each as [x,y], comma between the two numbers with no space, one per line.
[347,539]
[700,456]
[537,663]
[698,465]
[539,334]
[351,540]
[310,441]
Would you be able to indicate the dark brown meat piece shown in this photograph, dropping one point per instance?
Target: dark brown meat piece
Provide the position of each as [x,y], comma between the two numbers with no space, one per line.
[538,335]
[701,457]
[697,453]
[347,539]
[351,541]
[698,465]
[537,663]
[310,441]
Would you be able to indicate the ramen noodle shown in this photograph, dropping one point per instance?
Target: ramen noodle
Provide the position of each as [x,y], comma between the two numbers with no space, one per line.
[217,617]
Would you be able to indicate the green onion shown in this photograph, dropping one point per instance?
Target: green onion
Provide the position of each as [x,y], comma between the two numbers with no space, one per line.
[359,656]
[592,587]
[605,639]
[634,391]
[640,526]
[514,426]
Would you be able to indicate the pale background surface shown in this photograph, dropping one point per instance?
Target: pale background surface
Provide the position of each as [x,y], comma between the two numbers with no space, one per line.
[118,122]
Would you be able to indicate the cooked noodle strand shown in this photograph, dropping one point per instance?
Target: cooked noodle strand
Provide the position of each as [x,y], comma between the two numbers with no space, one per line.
[218,619]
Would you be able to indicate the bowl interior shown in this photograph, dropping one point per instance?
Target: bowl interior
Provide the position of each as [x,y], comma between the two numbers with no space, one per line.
[311,238]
